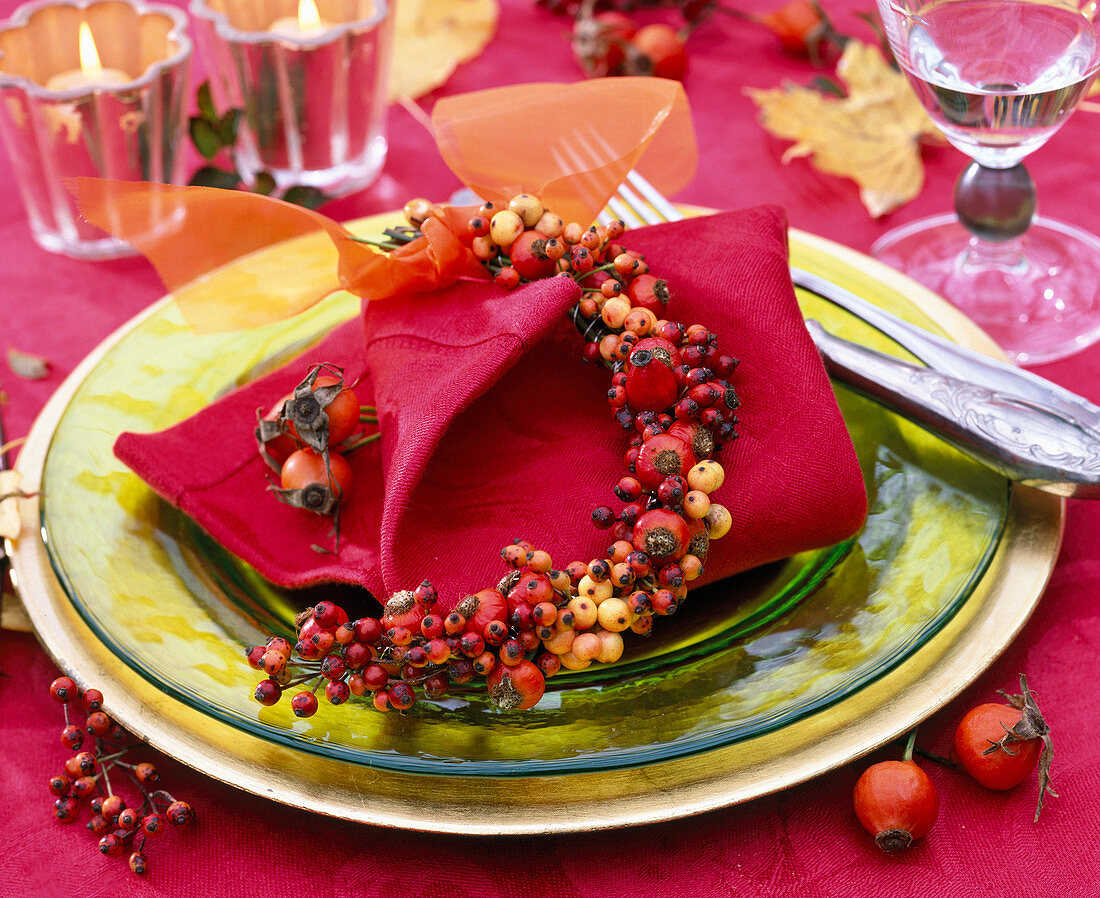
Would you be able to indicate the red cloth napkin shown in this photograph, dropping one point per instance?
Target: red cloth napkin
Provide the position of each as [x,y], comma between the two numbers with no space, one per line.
[493,429]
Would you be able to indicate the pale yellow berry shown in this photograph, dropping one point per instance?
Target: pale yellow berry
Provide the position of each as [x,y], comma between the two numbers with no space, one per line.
[696,504]
[718,521]
[528,208]
[550,225]
[572,233]
[585,647]
[614,615]
[417,210]
[611,647]
[505,227]
[596,591]
[614,311]
[584,612]
[571,662]
[706,476]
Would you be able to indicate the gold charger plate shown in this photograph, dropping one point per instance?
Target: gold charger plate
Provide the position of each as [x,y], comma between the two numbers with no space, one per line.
[942,665]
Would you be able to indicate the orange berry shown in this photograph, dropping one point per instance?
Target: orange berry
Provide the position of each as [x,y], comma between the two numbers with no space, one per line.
[585,647]
[691,566]
[640,321]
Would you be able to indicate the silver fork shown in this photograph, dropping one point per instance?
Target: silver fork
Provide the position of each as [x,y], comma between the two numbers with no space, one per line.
[1027,428]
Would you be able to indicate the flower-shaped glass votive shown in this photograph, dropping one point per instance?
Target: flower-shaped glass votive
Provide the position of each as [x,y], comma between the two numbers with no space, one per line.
[96,88]
[311,77]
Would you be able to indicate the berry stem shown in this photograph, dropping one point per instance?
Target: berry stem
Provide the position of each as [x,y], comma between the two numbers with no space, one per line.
[107,781]
[579,276]
[910,743]
[363,442]
[302,679]
[935,758]
[384,245]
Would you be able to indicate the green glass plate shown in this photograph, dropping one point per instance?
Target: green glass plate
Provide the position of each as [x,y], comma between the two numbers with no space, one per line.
[762,651]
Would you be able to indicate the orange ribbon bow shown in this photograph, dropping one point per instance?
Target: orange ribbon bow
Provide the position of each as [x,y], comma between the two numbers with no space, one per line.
[571,144]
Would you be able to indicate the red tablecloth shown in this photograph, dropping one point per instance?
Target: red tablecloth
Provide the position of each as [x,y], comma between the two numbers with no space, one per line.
[804,841]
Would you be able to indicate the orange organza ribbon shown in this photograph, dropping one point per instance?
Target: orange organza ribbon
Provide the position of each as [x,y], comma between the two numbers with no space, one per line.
[571,144]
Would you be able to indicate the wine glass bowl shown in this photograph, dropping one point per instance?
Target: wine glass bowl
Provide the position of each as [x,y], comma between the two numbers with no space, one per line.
[999,78]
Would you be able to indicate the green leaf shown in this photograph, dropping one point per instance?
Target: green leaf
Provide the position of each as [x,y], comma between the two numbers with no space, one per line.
[206,140]
[210,176]
[265,183]
[310,197]
[206,102]
[227,127]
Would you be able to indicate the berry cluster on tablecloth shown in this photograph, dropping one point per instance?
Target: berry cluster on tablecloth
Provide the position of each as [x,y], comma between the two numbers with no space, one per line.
[101,747]
[671,392]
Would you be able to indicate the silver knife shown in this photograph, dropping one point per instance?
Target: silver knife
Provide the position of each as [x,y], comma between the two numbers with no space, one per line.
[1027,428]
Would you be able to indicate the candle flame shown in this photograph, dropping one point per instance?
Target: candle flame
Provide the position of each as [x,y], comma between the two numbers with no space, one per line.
[309,17]
[89,56]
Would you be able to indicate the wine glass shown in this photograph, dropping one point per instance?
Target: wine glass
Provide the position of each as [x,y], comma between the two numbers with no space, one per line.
[999,77]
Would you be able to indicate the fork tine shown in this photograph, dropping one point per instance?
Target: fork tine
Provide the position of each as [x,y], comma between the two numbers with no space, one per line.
[657,199]
[619,209]
[637,211]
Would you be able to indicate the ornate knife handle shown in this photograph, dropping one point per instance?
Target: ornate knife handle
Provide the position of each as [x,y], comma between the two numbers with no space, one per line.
[1026,443]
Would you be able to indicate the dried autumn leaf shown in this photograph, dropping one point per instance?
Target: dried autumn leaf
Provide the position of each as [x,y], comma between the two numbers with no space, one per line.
[9,508]
[873,135]
[431,38]
[28,366]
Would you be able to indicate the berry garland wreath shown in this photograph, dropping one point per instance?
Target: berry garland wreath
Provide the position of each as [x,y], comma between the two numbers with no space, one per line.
[671,390]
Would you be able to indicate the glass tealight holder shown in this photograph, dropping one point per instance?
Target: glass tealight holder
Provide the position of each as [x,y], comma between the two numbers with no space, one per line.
[91,89]
[311,77]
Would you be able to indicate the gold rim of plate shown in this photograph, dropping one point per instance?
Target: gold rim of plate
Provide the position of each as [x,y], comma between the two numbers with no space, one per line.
[934,674]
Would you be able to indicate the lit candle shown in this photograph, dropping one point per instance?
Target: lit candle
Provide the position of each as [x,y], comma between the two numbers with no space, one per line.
[91,72]
[307,23]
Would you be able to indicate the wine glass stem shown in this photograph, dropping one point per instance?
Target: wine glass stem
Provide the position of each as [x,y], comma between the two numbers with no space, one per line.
[995,204]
